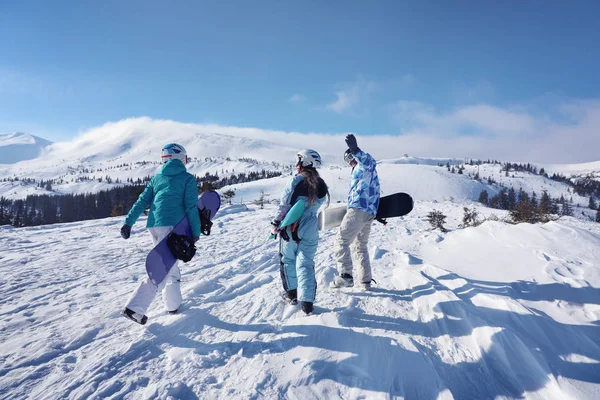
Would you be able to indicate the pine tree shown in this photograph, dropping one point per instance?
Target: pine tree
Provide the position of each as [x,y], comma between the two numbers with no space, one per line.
[545,207]
[18,217]
[67,208]
[504,201]
[534,202]
[228,195]
[4,211]
[470,217]
[524,211]
[262,199]
[598,215]
[592,205]
[484,197]
[566,208]
[512,199]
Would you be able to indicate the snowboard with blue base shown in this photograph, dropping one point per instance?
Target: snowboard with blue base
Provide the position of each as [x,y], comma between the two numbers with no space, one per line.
[394,205]
[292,216]
[160,260]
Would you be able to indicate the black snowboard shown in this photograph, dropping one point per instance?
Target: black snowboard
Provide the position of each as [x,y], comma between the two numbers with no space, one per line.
[394,205]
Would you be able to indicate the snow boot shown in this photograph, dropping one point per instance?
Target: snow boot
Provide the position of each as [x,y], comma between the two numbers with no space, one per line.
[365,285]
[307,307]
[345,280]
[173,311]
[136,317]
[291,296]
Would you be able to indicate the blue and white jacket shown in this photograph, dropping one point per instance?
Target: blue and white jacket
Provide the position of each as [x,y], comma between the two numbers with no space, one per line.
[364,186]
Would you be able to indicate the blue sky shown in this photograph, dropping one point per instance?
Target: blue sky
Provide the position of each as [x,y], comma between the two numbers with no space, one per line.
[377,67]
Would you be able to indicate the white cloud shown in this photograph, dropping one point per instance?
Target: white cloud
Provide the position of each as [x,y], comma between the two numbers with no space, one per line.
[570,133]
[350,95]
[297,98]
[479,131]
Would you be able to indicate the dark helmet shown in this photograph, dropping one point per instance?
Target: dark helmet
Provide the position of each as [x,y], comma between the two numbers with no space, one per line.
[349,156]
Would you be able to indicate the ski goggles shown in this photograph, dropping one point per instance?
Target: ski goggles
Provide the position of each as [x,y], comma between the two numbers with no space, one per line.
[349,157]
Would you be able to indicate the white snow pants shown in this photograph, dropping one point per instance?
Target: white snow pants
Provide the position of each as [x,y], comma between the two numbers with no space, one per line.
[141,299]
[352,242]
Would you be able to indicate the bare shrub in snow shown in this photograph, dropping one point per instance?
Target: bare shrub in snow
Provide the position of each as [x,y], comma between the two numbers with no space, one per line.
[437,220]
[262,199]
[492,217]
[470,218]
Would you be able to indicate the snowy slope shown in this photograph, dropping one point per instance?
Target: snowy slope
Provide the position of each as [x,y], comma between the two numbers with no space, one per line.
[422,182]
[406,159]
[497,311]
[130,149]
[20,146]
[583,169]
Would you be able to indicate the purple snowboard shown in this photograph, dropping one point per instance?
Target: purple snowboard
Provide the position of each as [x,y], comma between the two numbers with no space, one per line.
[160,260]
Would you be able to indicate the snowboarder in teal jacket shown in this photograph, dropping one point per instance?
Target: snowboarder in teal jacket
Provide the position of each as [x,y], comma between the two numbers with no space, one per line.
[298,243]
[171,195]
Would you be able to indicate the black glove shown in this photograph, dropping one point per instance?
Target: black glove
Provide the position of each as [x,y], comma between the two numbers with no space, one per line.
[284,235]
[352,145]
[125,231]
[282,232]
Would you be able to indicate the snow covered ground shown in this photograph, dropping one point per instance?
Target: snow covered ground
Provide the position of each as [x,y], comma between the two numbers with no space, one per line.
[496,311]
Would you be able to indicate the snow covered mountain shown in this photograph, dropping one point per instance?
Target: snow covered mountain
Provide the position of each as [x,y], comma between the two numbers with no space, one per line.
[495,311]
[20,146]
[130,150]
[575,170]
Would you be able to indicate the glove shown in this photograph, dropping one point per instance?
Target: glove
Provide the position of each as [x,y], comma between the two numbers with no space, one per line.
[196,238]
[352,145]
[125,231]
[275,226]
[284,235]
[282,232]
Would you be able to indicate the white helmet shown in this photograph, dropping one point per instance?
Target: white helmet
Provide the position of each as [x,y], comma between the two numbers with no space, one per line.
[309,158]
[174,151]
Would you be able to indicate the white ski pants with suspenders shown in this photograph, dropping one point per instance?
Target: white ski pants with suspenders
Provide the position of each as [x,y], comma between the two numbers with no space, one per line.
[141,299]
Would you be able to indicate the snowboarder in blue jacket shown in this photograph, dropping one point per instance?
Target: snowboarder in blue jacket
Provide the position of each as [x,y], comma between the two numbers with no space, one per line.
[171,195]
[363,200]
[298,243]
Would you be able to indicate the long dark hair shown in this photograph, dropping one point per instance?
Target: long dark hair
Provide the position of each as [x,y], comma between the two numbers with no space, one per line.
[311,177]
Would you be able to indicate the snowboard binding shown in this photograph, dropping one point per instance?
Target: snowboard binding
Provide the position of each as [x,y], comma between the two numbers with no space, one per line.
[205,222]
[182,246]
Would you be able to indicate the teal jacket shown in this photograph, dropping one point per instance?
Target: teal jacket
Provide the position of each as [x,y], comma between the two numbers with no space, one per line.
[171,194]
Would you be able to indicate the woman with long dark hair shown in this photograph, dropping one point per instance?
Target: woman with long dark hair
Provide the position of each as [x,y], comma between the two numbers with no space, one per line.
[298,243]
